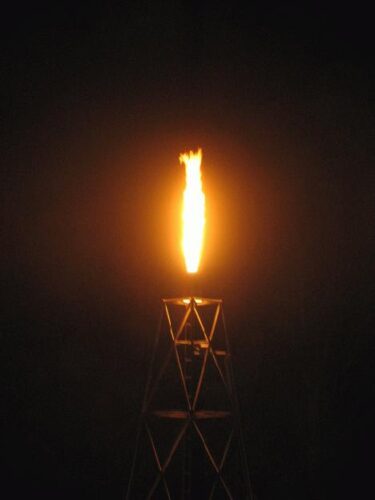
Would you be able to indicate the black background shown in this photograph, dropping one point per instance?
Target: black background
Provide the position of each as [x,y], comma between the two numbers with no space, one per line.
[97,103]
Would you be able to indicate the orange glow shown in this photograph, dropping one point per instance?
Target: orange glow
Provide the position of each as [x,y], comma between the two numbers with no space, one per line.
[196,300]
[193,213]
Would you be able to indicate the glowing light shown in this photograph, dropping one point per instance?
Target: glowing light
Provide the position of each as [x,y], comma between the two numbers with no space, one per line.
[193,213]
[189,300]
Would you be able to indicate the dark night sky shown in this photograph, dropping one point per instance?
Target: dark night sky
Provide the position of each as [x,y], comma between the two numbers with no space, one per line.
[97,103]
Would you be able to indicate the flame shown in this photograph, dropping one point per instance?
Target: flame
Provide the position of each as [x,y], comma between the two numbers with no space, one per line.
[193,213]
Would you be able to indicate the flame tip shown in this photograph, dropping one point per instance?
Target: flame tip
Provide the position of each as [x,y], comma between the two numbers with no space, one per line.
[188,155]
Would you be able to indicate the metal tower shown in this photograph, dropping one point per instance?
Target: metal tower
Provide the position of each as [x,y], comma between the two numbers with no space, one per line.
[189,443]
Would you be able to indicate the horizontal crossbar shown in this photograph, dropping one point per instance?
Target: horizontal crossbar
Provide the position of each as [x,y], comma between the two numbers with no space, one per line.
[194,415]
[198,301]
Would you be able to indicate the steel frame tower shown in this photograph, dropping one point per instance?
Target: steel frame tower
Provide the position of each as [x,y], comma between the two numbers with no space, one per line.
[190,414]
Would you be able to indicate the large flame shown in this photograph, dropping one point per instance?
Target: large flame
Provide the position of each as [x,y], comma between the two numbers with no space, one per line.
[193,214]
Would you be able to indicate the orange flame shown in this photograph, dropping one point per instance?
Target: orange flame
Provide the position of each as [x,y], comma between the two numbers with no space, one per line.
[193,214]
